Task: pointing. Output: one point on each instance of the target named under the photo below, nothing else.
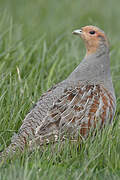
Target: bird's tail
(17, 144)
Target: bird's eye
(92, 32)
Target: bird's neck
(101, 50)
(94, 68)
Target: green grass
(38, 50)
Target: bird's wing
(77, 110)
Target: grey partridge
(79, 103)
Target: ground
(38, 50)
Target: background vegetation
(38, 50)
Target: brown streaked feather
(79, 109)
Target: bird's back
(65, 110)
(35, 118)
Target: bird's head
(94, 38)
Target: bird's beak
(77, 32)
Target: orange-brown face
(92, 37)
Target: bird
(83, 101)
